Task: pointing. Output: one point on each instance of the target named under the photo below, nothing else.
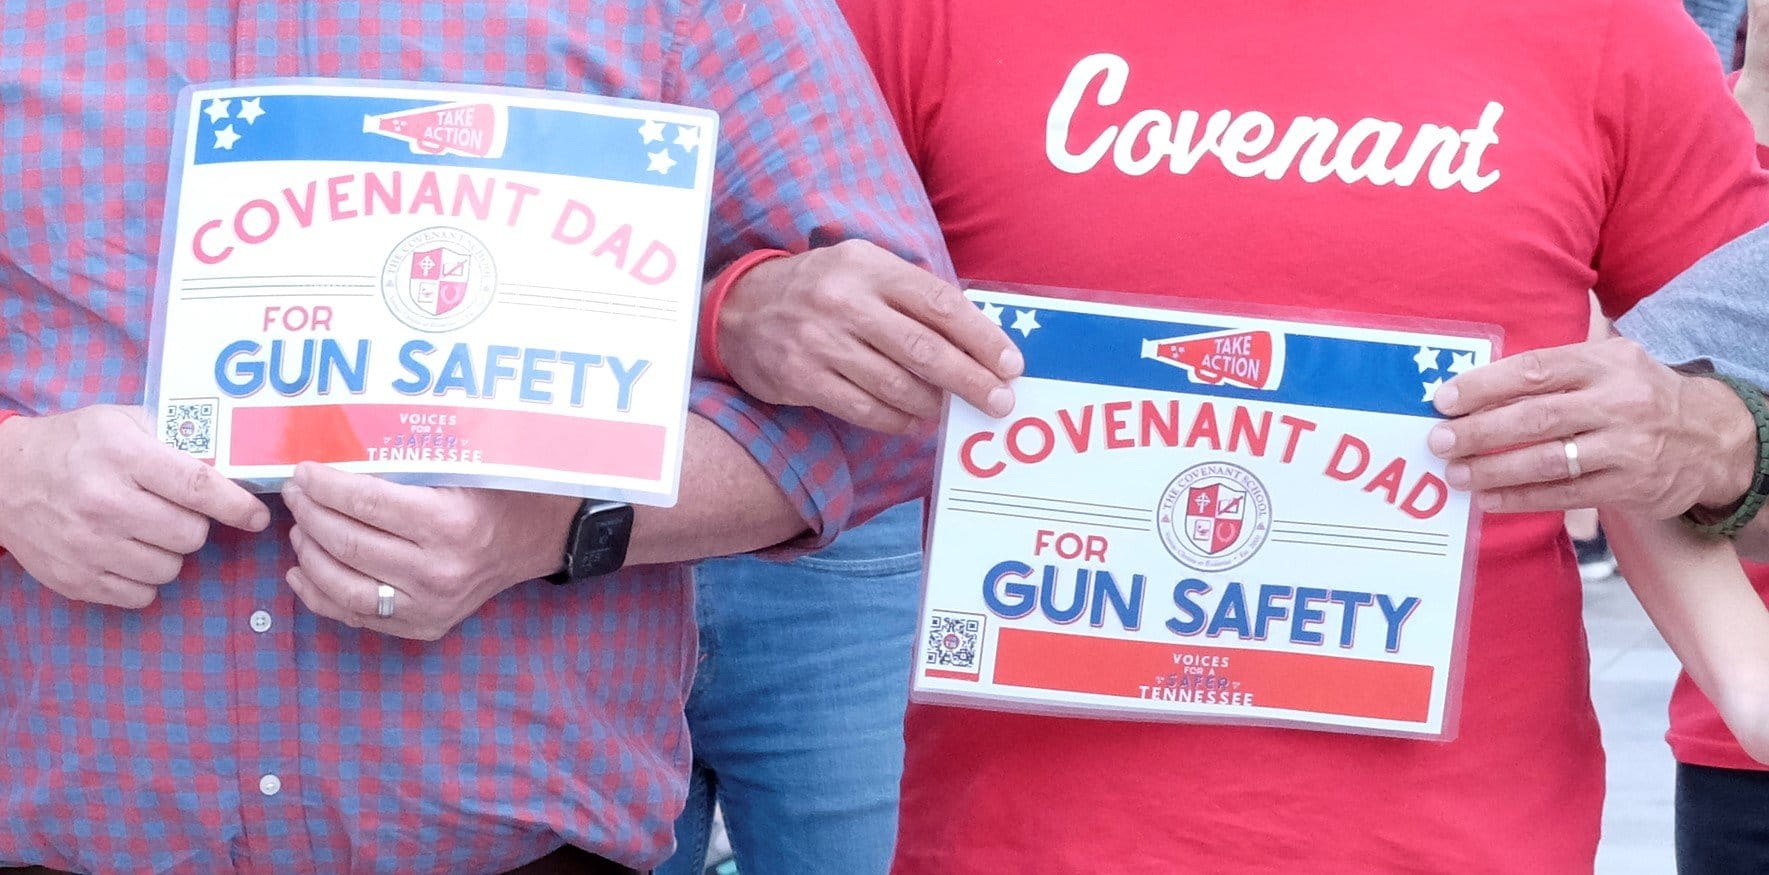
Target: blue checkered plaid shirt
(191, 737)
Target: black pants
(1722, 821)
(567, 860)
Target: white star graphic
(225, 138)
(250, 110)
(687, 137)
(1026, 322)
(1427, 359)
(1461, 361)
(1431, 389)
(652, 131)
(217, 110)
(992, 312)
(661, 161)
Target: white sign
(1200, 516)
(473, 286)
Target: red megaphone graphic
(474, 130)
(1254, 359)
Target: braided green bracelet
(1759, 492)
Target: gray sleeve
(1716, 312)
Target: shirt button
(260, 621)
(270, 785)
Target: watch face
(600, 540)
(609, 533)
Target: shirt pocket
(888, 544)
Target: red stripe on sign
(948, 674)
(1293, 681)
(365, 432)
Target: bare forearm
(1699, 598)
(727, 505)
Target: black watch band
(596, 543)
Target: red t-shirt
(1698, 735)
(1584, 144)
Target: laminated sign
(1204, 516)
(439, 284)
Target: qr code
(190, 426)
(954, 640)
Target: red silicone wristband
(715, 299)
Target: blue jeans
(797, 708)
(1719, 20)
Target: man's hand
(98, 510)
(859, 333)
(1648, 438)
(445, 551)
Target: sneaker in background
(719, 860)
(1596, 562)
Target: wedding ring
(384, 600)
(1573, 469)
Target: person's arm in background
(1701, 602)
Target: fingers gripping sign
(1597, 424)
(98, 510)
(859, 333)
(188, 483)
(440, 552)
(328, 587)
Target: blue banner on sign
(475, 132)
(1229, 361)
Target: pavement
(1631, 676)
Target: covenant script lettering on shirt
(1367, 150)
(489, 287)
(1206, 517)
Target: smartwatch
(596, 543)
